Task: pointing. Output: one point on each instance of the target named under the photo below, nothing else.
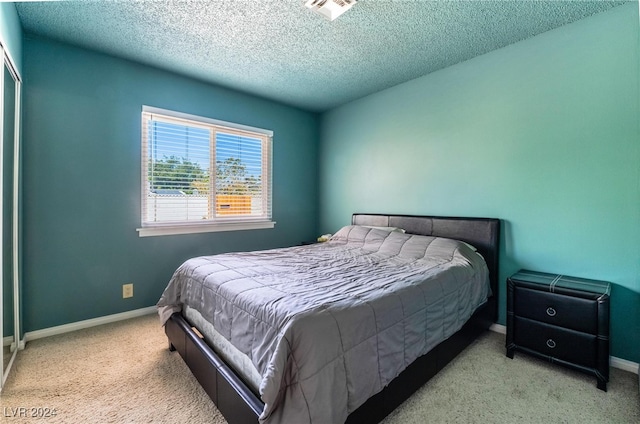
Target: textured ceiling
(281, 50)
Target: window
(201, 175)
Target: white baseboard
(623, 364)
(498, 328)
(66, 328)
(6, 341)
(619, 363)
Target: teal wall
(11, 32)
(8, 129)
(11, 39)
(82, 181)
(543, 134)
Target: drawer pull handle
(551, 312)
(551, 344)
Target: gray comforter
(329, 325)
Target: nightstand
(562, 319)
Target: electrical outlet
(127, 290)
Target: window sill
(168, 230)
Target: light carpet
(124, 373)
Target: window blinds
(198, 170)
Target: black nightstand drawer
(571, 346)
(564, 311)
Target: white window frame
(213, 224)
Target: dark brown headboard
(482, 233)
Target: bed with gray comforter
(329, 325)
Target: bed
(311, 322)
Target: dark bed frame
(240, 405)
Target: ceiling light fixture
(330, 9)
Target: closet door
(9, 165)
